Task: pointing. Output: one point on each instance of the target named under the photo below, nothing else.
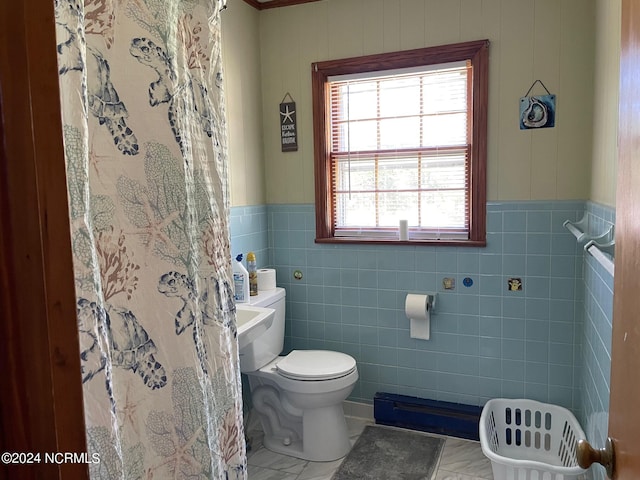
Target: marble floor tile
(355, 427)
(460, 460)
(255, 442)
(465, 457)
(319, 470)
(445, 475)
(264, 458)
(257, 473)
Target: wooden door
(41, 409)
(624, 411)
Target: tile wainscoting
(250, 233)
(486, 340)
(596, 341)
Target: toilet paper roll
(266, 279)
(416, 308)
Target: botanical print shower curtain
(145, 143)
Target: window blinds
(400, 150)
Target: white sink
(252, 322)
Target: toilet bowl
(299, 396)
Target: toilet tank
(270, 344)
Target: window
(402, 136)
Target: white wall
(242, 83)
(551, 40)
(571, 45)
(606, 97)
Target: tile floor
(460, 460)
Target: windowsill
(386, 241)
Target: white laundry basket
(529, 440)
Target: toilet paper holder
(418, 308)
(431, 300)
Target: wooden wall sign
(288, 125)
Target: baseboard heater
(445, 418)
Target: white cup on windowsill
(404, 230)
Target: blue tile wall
(486, 341)
(596, 343)
(249, 233)
(550, 341)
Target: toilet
(298, 397)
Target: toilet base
(327, 438)
(302, 419)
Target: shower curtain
(145, 145)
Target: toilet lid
(315, 365)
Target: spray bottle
(253, 273)
(240, 281)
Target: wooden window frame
(477, 52)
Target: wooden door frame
(40, 377)
(624, 416)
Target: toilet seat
(315, 365)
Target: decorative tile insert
(514, 284)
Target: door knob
(587, 455)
